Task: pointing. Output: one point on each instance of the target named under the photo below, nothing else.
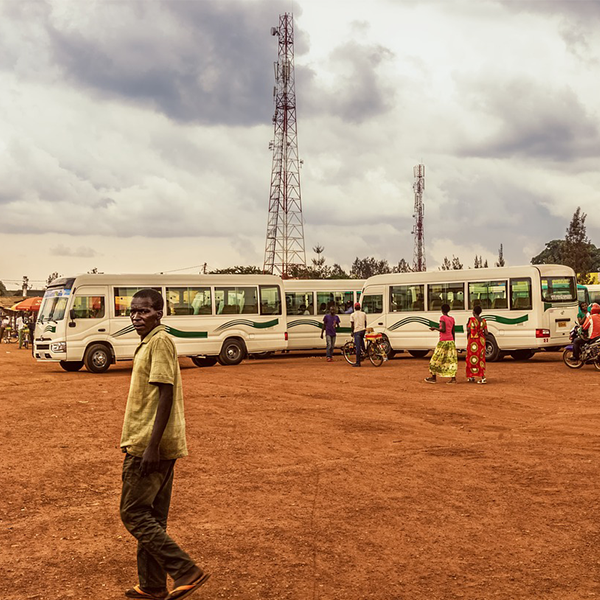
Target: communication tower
(418, 232)
(284, 247)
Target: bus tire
(97, 358)
(522, 354)
(418, 353)
(233, 352)
(388, 347)
(71, 365)
(204, 361)
(492, 352)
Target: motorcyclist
(591, 326)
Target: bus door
(87, 320)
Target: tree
(52, 277)
(552, 254)
(452, 265)
(478, 262)
(251, 270)
(402, 267)
(446, 264)
(577, 252)
(337, 272)
(456, 264)
(3, 290)
(501, 262)
(363, 268)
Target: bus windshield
(559, 289)
(54, 304)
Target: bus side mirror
(72, 317)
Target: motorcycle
(590, 353)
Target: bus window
(123, 296)
(340, 300)
(559, 289)
(270, 300)
(488, 294)
(404, 298)
(299, 303)
(583, 294)
(236, 300)
(372, 303)
(89, 307)
(188, 301)
(452, 294)
(520, 294)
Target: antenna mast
(284, 247)
(418, 231)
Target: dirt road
(309, 480)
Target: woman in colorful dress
(444, 361)
(476, 332)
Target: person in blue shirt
(331, 322)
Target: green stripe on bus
(506, 320)
(185, 334)
(422, 321)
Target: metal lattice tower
(284, 247)
(418, 231)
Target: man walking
(21, 326)
(153, 438)
(331, 322)
(358, 324)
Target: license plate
(561, 324)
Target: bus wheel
(390, 352)
(419, 353)
(492, 352)
(232, 352)
(71, 365)
(204, 361)
(97, 358)
(522, 354)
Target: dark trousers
(578, 344)
(359, 344)
(145, 505)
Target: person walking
(444, 361)
(476, 333)
(21, 327)
(331, 322)
(153, 438)
(358, 326)
(4, 323)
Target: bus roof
(489, 274)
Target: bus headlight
(58, 347)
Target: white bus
(526, 308)
(84, 320)
(308, 300)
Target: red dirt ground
(308, 480)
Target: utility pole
(284, 247)
(419, 214)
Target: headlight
(58, 347)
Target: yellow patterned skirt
(444, 361)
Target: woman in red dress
(476, 332)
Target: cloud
(80, 252)
(201, 62)
(520, 117)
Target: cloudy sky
(134, 133)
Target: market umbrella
(29, 304)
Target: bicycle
(376, 349)
(10, 335)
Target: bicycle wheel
(377, 353)
(349, 352)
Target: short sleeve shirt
(155, 361)
(359, 318)
(330, 322)
(447, 336)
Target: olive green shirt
(155, 361)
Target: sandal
(137, 592)
(430, 380)
(482, 380)
(471, 380)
